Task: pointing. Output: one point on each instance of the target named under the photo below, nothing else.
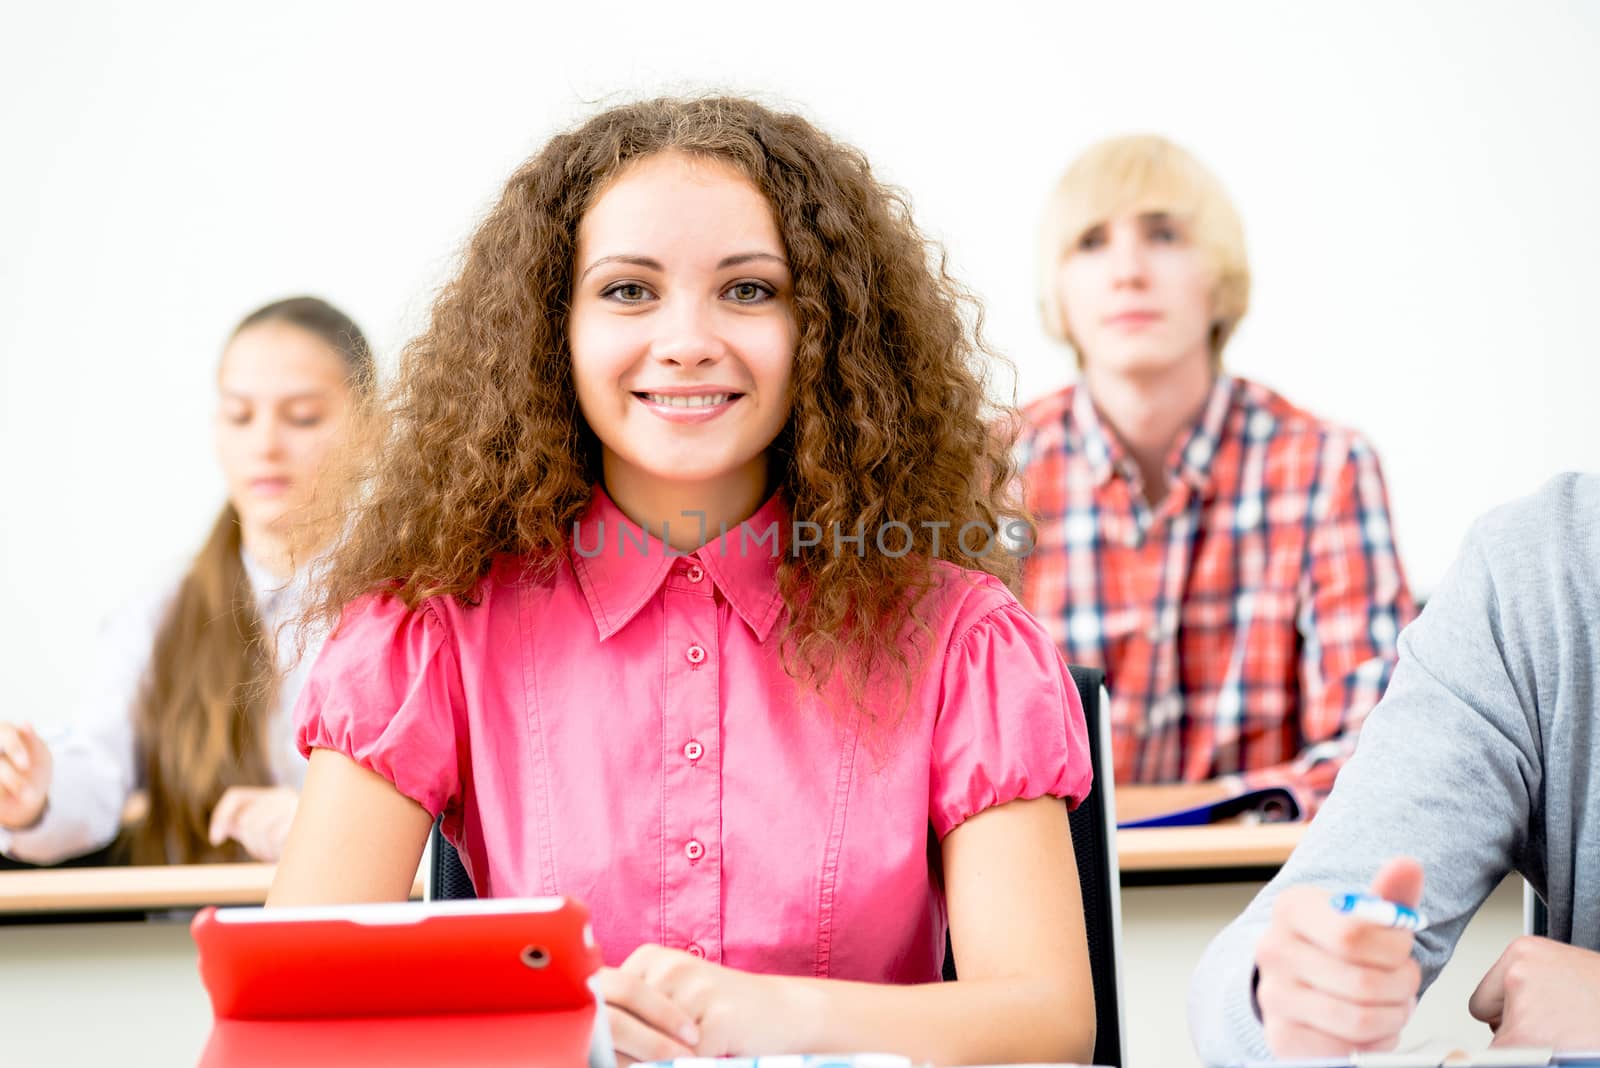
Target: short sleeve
(1010, 725)
(386, 692)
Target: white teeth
(704, 400)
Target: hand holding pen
(1334, 972)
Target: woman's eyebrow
(735, 260)
(287, 398)
(637, 261)
(749, 257)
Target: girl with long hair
(187, 704)
(671, 581)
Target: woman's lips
(677, 413)
(269, 487)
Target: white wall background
(1419, 184)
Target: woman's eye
(1092, 239)
(305, 420)
(627, 292)
(1165, 235)
(237, 418)
(749, 292)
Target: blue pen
(1379, 911)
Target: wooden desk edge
(1222, 846)
(1170, 849)
(138, 888)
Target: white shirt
(96, 764)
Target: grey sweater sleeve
(1445, 770)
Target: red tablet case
(489, 982)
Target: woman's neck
(270, 551)
(686, 515)
(1148, 413)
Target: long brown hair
(212, 673)
(480, 448)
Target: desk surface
(1159, 849)
(137, 888)
(1225, 845)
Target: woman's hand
(666, 1003)
(257, 817)
(25, 768)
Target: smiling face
(682, 332)
(1137, 296)
(283, 395)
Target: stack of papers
(1442, 1056)
(819, 1060)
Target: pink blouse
(625, 734)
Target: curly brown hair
(479, 448)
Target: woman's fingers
(264, 826)
(649, 1007)
(14, 747)
(12, 782)
(634, 1038)
(225, 817)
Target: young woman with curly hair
(654, 587)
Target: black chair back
(1099, 880)
(447, 876)
(1094, 840)
(1094, 843)
(1535, 914)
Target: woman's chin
(257, 519)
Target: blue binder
(1273, 804)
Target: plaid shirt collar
(1190, 459)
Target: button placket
(691, 724)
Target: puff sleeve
(1010, 725)
(386, 692)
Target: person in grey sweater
(1482, 758)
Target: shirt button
(694, 850)
(696, 654)
(694, 950)
(694, 751)
(694, 574)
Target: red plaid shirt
(1248, 626)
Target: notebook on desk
(1270, 804)
(420, 984)
(790, 1060)
(1437, 1056)
(823, 1060)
